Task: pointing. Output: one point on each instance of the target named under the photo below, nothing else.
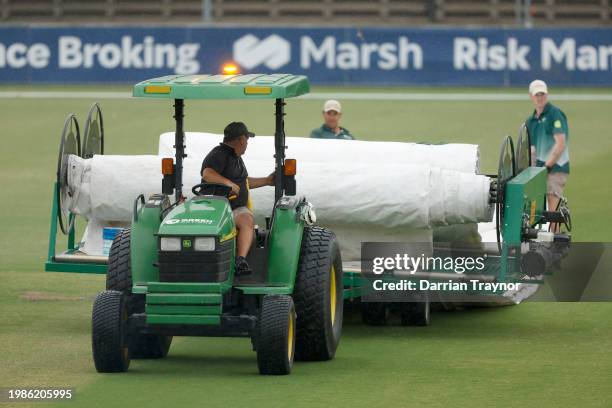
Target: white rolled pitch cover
(453, 156)
(391, 196)
(354, 199)
(415, 196)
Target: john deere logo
(188, 221)
(186, 243)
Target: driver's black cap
(234, 130)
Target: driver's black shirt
(224, 160)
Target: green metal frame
(525, 201)
(353, 283)
(51, 265)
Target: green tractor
(172, 272)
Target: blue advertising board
(367, 56)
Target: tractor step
(190, 325)
(183, 310)
(183, 304)
(171, 287)
(183, 299)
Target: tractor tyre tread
(108, 334)
(272, 341)
(313, 338)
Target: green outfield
(535, 354)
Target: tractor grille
(196, 266)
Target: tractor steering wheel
(215, 189)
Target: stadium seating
(320, 12)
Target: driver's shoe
(242, 266)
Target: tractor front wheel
(119, 278)
(276, 335)
(109, 334)
(318, 296)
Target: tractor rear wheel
(318, 296)
(109, 332)
(276, 335)
(119, 278)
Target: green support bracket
(51, 265)
(53, 226)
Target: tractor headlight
(204, 244)
(170, 244)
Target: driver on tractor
(224, 165)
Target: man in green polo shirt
(549, 134)
(331, 129)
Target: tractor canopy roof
(251, 86)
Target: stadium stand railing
(323, 12)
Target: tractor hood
(205, 215)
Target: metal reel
(523, 149)
(70, 144)
(93, 139)
(506, 170)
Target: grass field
(535, 354)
